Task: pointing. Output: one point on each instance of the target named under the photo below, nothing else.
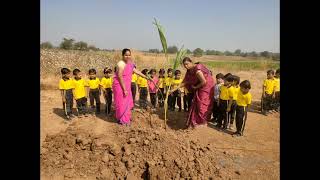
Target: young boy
(168, 81)
(80, 94)
(217, 87)
(152, 87)
(161, 85)
(66, 88)
(225, 101)
(243, 102)
(277, 91)
(94, 90)
(106, 84)
(143, 90)
(267, 92)
(134, 86)
(176, 94)
(236, 89)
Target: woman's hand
(125, 93)
(194, 87)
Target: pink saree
(123, 104)
(201, 107)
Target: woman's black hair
(245, 84)
(236, 79)
(75, 71)
(186, 59)
(125, 50)
(92, 71)
(177, 72)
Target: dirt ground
(98, 148)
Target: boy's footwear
(230, 127)
(236, 134)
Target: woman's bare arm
(202, 79)
(180, 86)
(120, 68)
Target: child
(106, 84)
(236, 89)
(187, 99)
(168, 80)
(153, 88)
(161, 84)
(94, 90)
(80, 93)
(143, 90)
(66, 88)
(134, 86)
(267, 92)
(176, 94)
(225, 100)
(215, 110)
(277, 91)
(243, 102)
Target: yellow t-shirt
(168, 81)
(269, 85)
(244, 99)
(106, 82)
(134, 77)
(142, 82)
(79, 88)
(161, 82)
(175, 83)
(66, 85)
(226, 93)
(94, 83)
(277, 84)
(235, 92)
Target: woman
(122, 87)
(198, 79)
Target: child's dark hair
(107, 70)
(65, 71)
(245, 84)
(236, 79)
(125, 50)
(92, 71)
(177, 72)
(152, 70)
(278, 71)
(169, 70)
(219, 76)
(162, 71)
(270, 72)
(227, 75)
(229, 78)
(145, 71)
(76, 71)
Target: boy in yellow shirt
(161, 85)
(143, 90)
(267, 92)
(276, 96)
(80, 94)
(236, 89)
(106, 84)
(94, 90)
(66, 88)
(176, 94)
(134, 86)
(243, 103)
(168, 81)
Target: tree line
(70, 44)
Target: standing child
(267, 92)
(106, 83)
(217, 87)
(66, 88)
(143, 90)
(94, 90)
(134, 87)
(187, 99)
(243, 102)
(277, 91)
(236, 89)
(168, 81)
(152, 87)
(176, 94)
(80, 93)
(161, 85)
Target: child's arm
(229, 105)
(63, 95)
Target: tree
(93, 48)
(210, 52)
(228, 53)
(198, 52)
(188, 51)
(67, 43)
(154, 51)
(253, 54)
(218, 53)
(276, 56)
(172, 49)
(265, 54)
(46, 45)
(80, 46)
(237, 52)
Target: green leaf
(162, 36)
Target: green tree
(228, 53)
(265, 54)
(188, 51)
(46, 45)
(210, 52)
(237, 52)
(276, 56)
(198, 52)
(253, 54)
(93, 48)
(218, 53)
(80, 46)
(67, 43)
(172, 49)
(154, 51)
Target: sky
(249, 25)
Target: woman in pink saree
(198, 80)
(122, 87)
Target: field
(96, 147)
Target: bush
(172, 49)
(80, 46)
(154, 51)
(67, 44)
(46, 45)
(198, 52)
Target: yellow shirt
(226, 93)
(94, 83)
(175, 83)
(142, 82)
(244, 99)
(161, 82)
(168, 81)
(235, 92)
(134, 77)
(106, 82)
(79, 88)
(277, 84)
(66, 85)
(269, 85)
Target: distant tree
(67, 43)
(188, 51)
(210, 52)
(228, 53)
(218, 53)
(237, 52)
(93, 48)
(172, 49)
(46, 45)
(265, 54)
(244, 54)
(154, 51)
(198, 52)
(276, 56)
(80, 46)
(253, 54)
